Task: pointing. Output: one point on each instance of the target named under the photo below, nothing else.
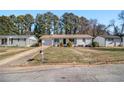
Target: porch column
(0, 41)
(52, 42)
(8, 42)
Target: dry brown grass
(57, 55)
(10, 51)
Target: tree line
(49, 23)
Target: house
(123, 41)
(108, 40)
(17, 40)
(77, 40)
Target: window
(110, 39)
(24, 39)
(4, 41)
(56, 40)
(83, 39)
(18, 39)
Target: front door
(64, 41)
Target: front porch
(9, 41)
(64, 41)
(6, 41)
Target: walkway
(21, 57)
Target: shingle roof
(64, 36)
(15, 36)
(110, 36)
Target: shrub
(80, 45)
(35, 45)
(69, 44)
(120, 45)
(95, 44)
(61, 44)
(88, 45)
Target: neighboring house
(17, 40)
(77, 40)
(123, 41)
(108, 40)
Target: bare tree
(121, 17)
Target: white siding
(47, 42)
(0, 41)
(15, 42)
(31, 40)
(110, 42)
(75, 42)
(20, 41)
(118, 42)
(107, 42)
(88, 41)
(114, 42)
(83, 42)
(80, 42)
(123, 41)
(100, 40)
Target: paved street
(10, 72)
(107, 73)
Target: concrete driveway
(103, 73)
(21, 58)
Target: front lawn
(10, 51)
(55, 55)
